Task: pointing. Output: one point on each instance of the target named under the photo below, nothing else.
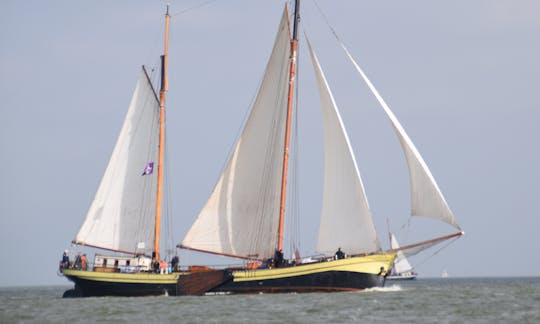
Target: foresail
(426, 197)
(122, 213)
(241, 216)
(346, 220)
(401, 264)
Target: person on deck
(278, 258)
(163, 267)
(339, 254)
(174, 263)
(65, 260)
(83, 262)
(78, 261)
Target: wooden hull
(351, 274)
(89, 283)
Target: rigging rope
(436, 252)
(241, 127)
(326, 20)
(204, 4)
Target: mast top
(296, 19)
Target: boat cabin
(115, 263)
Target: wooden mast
(292, 73)
(163, 90)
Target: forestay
(346, 220)
(122, 213)
(241, 216)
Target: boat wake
(392, 288)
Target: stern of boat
(96, 283)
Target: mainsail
(241, 216)
(121, 216)
(346, 220)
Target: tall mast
(163, 90)
(292, 73)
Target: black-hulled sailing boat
(244, 215)
(125, 215)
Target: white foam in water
(392, 288)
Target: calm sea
(450, 300)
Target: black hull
(91, 288)
(330, 281)
(350, 274)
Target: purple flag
(149, 168)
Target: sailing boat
(402, 269)
(444, 274)
(125, 215)
(244, 216)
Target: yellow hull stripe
(141, 278)
(363, 264)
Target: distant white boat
(444, 274)
(402, 269)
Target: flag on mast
(149, 168)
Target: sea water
(450, 300)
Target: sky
(461, 76)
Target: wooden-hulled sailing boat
(244, 215)
(125, 215)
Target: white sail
(122, 213)
(426, 197)
(401, 264)
(346, 220)
(241, 216)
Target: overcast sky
(462, 76)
